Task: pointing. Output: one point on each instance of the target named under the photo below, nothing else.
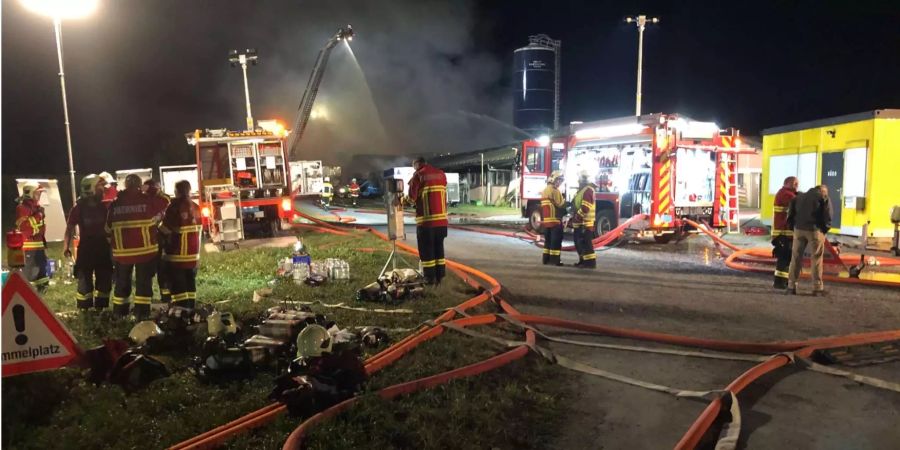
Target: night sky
(142, 73)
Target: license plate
(693, 210)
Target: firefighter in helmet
(132, 224)
(30, 222)
(181, 228)
(354, 192)
(151, 188)
(583, 222)
(552, 211)
(428, 192)
(93, 265)
(327, 192)
(782, 233)
(111, 190)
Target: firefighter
(112, 189)
(552, 211)
(30, 222)
(152, 189)
(782, 234)
(181, 228)
(132, 225)
(428, 191)
(93, 265)
(583, 222)
(327, 192)
(354, 192)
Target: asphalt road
(685, 289)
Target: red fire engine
(666, 166)
(250, 164)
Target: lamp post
(236, 58)
(59, 10)
(641, 22)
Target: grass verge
(518, 406)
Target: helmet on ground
(554, 176)
(88, 184)
(328, 179)
(143, 331)
(313, 341)
(31, 189)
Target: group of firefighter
(327, 192)
(138, 231)
(554, 209)
(801, 221)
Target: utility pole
(236, 58)
(641, 22)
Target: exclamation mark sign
(18, 312)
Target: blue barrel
(534, 87)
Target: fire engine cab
(665, 166)
(249, 165)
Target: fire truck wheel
(605, 222)
(663, 238)
(534, 220)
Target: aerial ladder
(312, 88)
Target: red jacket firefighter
(354, 188)
(182, 225)
(783, 199)
(428, 189)
(30, 222)
(132, 225)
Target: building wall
(880, 138)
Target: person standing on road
(132, 224)
(428, 191)
(327, 192)
(93, 264)
(30, 222)
(181, 229)
(583, 223)
(354, 192)
(552, 211)
(810, 216)
(782, 234)
(152, 189)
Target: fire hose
(492, 288)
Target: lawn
(518, 406)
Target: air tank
(536, 86)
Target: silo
(536, 85)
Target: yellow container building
(857, 156)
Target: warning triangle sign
(33, 338)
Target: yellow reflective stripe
(119, 300)
(135, 251)
(431, 218)
(779, 208)
(442, 262)
(79, 296)
(182, 258)
(429, 263)
(133, 223)
(33, 245)
(782, 233)
(555, 252)
(589, 256)
(141, 300)
(165, 291)
(189, 228)
(190, 295)
(781, 274)
(428, 189)
(550, 220)
(546, 251)
(184, 244)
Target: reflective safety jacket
(182, 225)
(780, 225)
(132, 224)
(327, 190)
(428, 189)
(551, 206)
(30, 222)
(90, 216)
(584, 207)
(354, 190)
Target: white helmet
(313, 341)
(328, 179)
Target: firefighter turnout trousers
(431, 252)
(93, 267)
(781, 251)
(584, 245)
(184, 286)
(163, 277)
(35, 269)
(553, 236)
(143, 292)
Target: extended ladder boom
(312, 88)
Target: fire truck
(249, 167)
(666, 166)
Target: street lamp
(236, 58)
(641, 21)
(59, 10)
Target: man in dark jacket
(810, 216)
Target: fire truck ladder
(312, 88)
(732, 209)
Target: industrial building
(855, 155)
